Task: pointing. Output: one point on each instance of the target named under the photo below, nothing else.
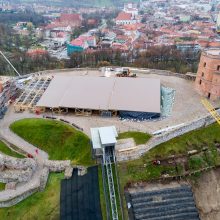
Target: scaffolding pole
(10, 63)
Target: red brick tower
(208, 75)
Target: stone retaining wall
(43, 178)
(158, 139)
(57, 165)
(16, 163)
(195, 124)
(23, 174)
(17, 199)
(18, 176)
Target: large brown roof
(102, 93)
(123, 16)
(70, 17)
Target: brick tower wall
(208, 76)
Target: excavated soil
(207, 195)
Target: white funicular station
(103, 142)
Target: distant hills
(88, 3)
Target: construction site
(31, 94)
(104, 103)
(157, 99)
(8, 93)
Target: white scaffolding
(32, 94)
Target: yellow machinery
(211, 109)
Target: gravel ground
(187, 106)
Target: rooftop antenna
(10, 63)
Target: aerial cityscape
(110, 110)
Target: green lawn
(41, 205)
(59, 140)
(2, 186)
(6, 150)
(139, 137)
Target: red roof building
(36, 52)
(66, 20)
(125, 18)
(73, 20)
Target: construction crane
(211, 109)
(10, 63)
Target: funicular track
(108, 159)
(111, 179)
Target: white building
(124, 18)
(131, 8)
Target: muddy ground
(207, 195)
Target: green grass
(116, 192)
(194, 140)
(2, 186)
(6, 150)
(59, 140)
(139, 137)
(212, 157)
(41, 205)
(143, 170)
(196, 162)
(102, 195)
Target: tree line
(28, 16)
(164, 57)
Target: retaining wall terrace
(34, 178)
(158, 139)
(43, 178)
(16, 163)
(57, 165)
(25, 191)
(16, 199)
(18, 176)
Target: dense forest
(28, 16)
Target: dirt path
(11, 137)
